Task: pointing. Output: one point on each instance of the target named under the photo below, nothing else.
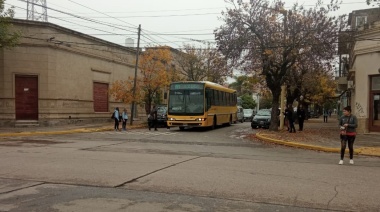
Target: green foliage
(247, 102)
(265, 102)
(7, 37)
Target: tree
(7, 37)
(244, 84)
(247, 102)
(203, 64)
(266, 39)
(373, 2)
(155, 74)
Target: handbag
(343, 132)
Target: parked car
(162, 111)
(248, 114)
(240, 114)
(314, 114)
(261, 119)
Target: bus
(200, 104)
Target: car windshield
(263, 113)
(248, 111)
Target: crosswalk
(139, 132)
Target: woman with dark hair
(348, 124)
(116, 115)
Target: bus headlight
(200, 119)
(171, 119)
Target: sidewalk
(321, 136)
(58, 130)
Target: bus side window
(209, 97)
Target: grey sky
(184, 20)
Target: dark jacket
(301, 114)
(289, 114)
(352, 122)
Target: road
(173, 170)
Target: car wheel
(181, 128)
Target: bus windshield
(186, 102)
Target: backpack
(113, 115)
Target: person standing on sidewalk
(348, 124)
(116, 115)
(291, 119)
(153, 117)
(301, 117)
(325, 115)
(124, 117)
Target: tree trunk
(274, 113)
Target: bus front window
(189, 102)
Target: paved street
(172, 170)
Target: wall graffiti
(360, 110)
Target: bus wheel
(230, 123)
(214, 123)
(181, 128)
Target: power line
(80, 17)
(68, 21)
(155, 16)
(102, 13)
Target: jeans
(350, 140)
(116, 124)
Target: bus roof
(209, 84)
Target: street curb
(63, 132)
(360, 151)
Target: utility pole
(133, 109)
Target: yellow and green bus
(200, 104)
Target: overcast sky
(163, 22)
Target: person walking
(153, 118)
(348, 124)
(116, 115)
(286, 120)
(325, 115)
(301, 117)
(124, 117)
(290, 116)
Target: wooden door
(26, 97)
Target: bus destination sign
(186, 86)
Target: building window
(361, 20)
(375, 83)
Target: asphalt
(316, 136)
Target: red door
(26, 97)
(100, 97)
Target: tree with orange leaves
(155, 74)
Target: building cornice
(22, 22)
(68, 49)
